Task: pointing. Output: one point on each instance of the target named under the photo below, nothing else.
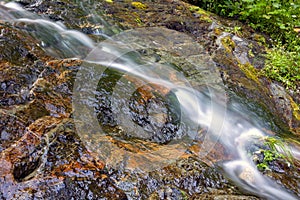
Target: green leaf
(282, 26)
(267, 16)
(276, 5)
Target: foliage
(269, 156)
(277, 145)
(279, 19)
(275, 17)
(276, 150)
(283, 66)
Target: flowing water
(152, 106)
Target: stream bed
(98, 103)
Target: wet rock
(249, 45)
(218, 195)
(285, 106)
(42, 155)
(54, 164)
(152, 114)
(237, 53)
(288, 178)
(241, 74)
(15, 49)
(19, 66)
(188, 178)
(75, 15)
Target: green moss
(198, 10)
(236, 30)
(262, 166)
(250, 71)
(259, 39)
(202, 12)
(138, 21)
(179, 7)
(228, 43)
(194, 8)
(205, 18)
(296, 109)
(139, 5)
(203, 15)
(269, 156)
(217, 31)
(251, 54)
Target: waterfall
(198, 105)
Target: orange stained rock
(61, 64)
(79, 166)
(147, 89)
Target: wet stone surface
(187, 178)
(41, 154)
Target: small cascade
(193, 106)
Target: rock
(188, 178)
(42, 155)
(286, 106)
(238, 54)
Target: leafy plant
(276, 150)
(275, 17)
(269, 156)
(278, 145)
(279, 19)
(283, 66)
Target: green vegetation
(280, 20)
(139, 5)
(273, 153)
(269, 156)
(203, 15)
(296, 109)
(228, 43)
(138, 21)
(277, 145)
(283, 66)
(250, 71)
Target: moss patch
(259, 39)
(205, 18)
(228, 44)
(218, 31)
(250, 71)
(138, 21)
(139, 5)
(203, 15)
(198, 10)
(296, 109)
